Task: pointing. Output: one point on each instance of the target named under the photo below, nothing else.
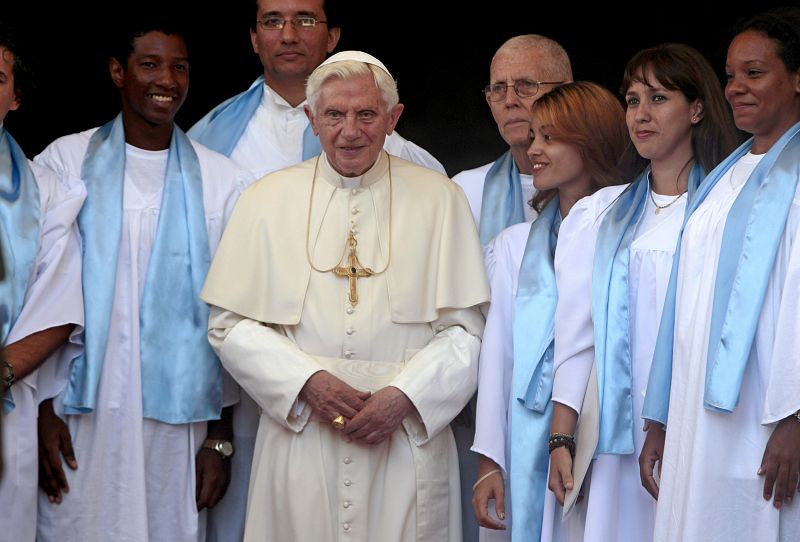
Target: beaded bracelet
(558, 440)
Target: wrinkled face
(659, 120)
(155, 81)
(513, 115)
(292, 53)
(8, 97)
(352, 122)
(763, 93)
(556, 164)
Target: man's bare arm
(27, 354)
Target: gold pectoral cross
(354, 269)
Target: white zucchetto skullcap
(359, 56)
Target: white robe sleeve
(574, 330)
(231, 391)
(781, 397)
(54, 296)
(441, 378)
(497, 358)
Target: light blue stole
(19, 234)
(753, 232)
(222, 127)
(181, 376)
(502, 204)
(532, 377)
(610, 312)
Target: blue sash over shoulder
(502, 204)
(19, 234)
(181, 376)
(753, 232)
(610, 313)
(224, 125)
(532, 377)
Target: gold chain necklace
(354, 269)
(659, 208)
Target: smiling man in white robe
(345, 297)
(144, 431)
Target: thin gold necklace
(659, 208)
(354, 269)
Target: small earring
(694, 120)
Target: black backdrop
(439, 52)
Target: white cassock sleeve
(265, 363)
(54, 296)
(574, 330)
(441, 378)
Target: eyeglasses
(522, 87)
(304, 22)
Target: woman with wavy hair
(579, 140)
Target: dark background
(439, 52)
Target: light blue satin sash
(532, 377)
(750, 241)
(181, 376)
(19, 234)
(222, 127)
(610, 313)
(502, 204)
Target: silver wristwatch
(223, 447)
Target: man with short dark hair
(264, 128)
(144, 403)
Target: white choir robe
(136, 476)
(615, 505)
(356, 492)
(709, 487)
(492, 425)
(471, 182)
(273, 140)
(53, 298)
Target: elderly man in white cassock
(345, 298)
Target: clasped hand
(369, 418)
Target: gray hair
(555, 61)
(351, 68)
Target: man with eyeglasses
(265, 129)
(523, 69)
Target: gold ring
(338, 422)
